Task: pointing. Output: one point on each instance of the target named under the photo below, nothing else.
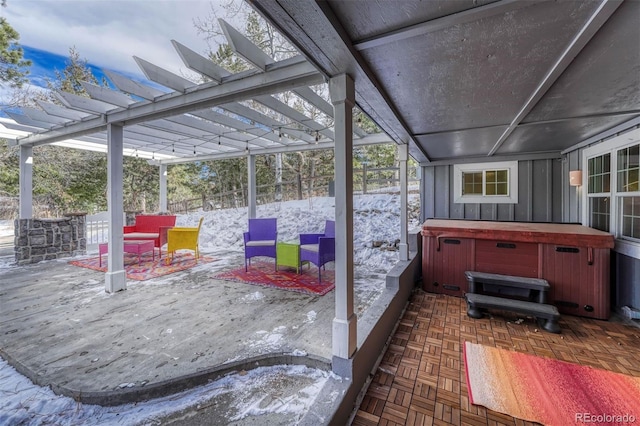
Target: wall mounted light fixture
(575, 178)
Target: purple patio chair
(261, 239)
(319, 249)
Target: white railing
(97, 230)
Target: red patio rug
(148, 267)
(264, 274)
(549, 391)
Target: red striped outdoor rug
(264, 274)
(148, 267)
(549, 391)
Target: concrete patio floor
(60, 328)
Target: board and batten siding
(540, 195)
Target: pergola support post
(344, 344)
(163, 207)
(115, 277)
(251, 186)
(403, 156)
(26, 182)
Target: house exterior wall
(626, 275)
(625, 269)
(544, 195)
(540, 189)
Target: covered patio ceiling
(180, 120)
(470, 79)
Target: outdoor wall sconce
(575, 178)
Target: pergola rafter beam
(258, 117)
(82, 103)
(244, 48)
(318, 101)
(277, 79)
(176, 82)
(131, 87)
(173, 125)
(123, 100)
(247, 50)
(59, 111)
(225, 120)
(163, 77)
(375, 139)
(314, 99)
(106, 95)
(25, 120)
(199, 63)
(298, 117)
(40, 115)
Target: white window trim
(510, 166)
(625, 246)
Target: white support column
(341, 89)
(403, 156)
(115, 278)
(26, 182)
(163, 188)
(251, 185)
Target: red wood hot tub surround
(574, 259)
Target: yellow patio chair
(183, 238)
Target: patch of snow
(23, 403)
(268, 341)
(126, 385)
(276, 399)
(311, 316)
(253, 297)
(6, 228)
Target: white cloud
(109, 32)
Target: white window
(613, 190)
(486, 182)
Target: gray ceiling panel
(464, 143)
(476, 74)
(369, 18)
(539, 76)
(605, 77)
(556, 136)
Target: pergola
(207, 121)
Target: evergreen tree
(13, 66)
(69, 79)
(13, 73)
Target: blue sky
(45, 64)
(107, 33)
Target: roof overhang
(473, 78)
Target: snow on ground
(376, 219)
(6, 228)
(252, 393)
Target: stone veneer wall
(45, 239)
